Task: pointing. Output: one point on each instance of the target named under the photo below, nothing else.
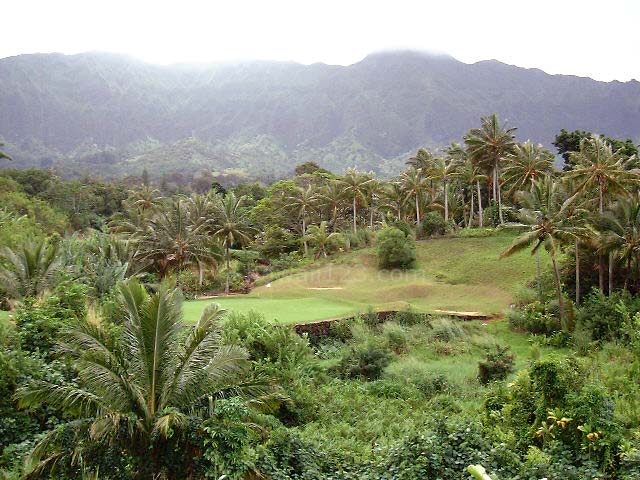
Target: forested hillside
(92, 110)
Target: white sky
(592, 38)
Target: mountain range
(110, 115)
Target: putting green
(461, 274)
(281, 310)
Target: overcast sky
(598, 39)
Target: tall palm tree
(550, 226)
(27, 269)
(231, 225)
(598, 168)
(444, 170)
(139, 391)
(301, 204)
(145, 198)
(488, 147)
(471, 175)
(355, 188)
(414, 184)
(527, 163)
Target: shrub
(408, 317)
(395, 337)
(433, 224)
(446, 330)
(536, 318)
(366, 361)
(362, 238)
(496, 365)
(264, 341)
(604, 316)
(40, 324)
(395, 249)
(402, 225)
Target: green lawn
(462, 274)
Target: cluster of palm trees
(168, 235)
(455, 182)
(594, 208)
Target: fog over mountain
(109, 114)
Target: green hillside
(462, 274)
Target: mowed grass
(462, 274)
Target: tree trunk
(417, 213)
(355, 226)
(628, 273)
(600, 256)
(304, 236)
(611, 266)
(446, 201)
(480, 214)
(558, 288)
(371, 215)
(577, 272)
(499, 197)
(471, 210)
(226, 286)
(493, 185)
(538, 274)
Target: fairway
(463, 274)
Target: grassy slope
(452, 273)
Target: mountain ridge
(55, 108)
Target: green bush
(366, 361)
(446, 330)
(395, 249)
(406, 227)
(39, 324)
(603, 316)
(362, 238)
(265, 341)
(536, 318)
(433, 224)
(395, 337)
(496, 365)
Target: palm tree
(374, 190)
(471, 175)
(301, 204)
(444, 169)
(330, 196)
(395, 198)
(414, 184)
(231, 225)
(422, 160)
(145, 198)
(488, 147)
(323, 241)
(27, 270)
(620, 235)
(170, 240)
(138, 392)
(549, 224)
(598, 168)
(355, 188)
(527, 163)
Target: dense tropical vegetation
(101, 377)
